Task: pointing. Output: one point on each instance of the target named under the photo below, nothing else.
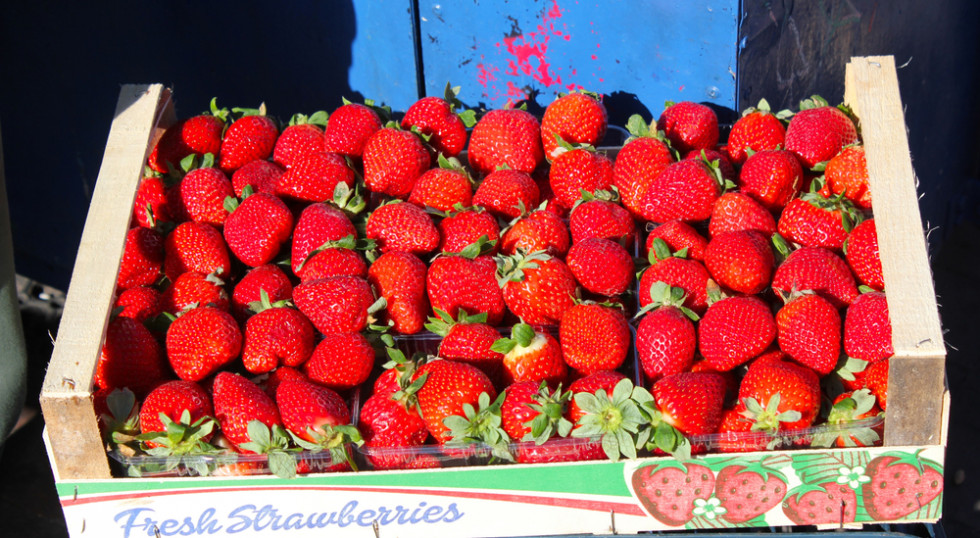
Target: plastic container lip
(147, 466)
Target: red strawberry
(735, 211)
(900, 484)
(809, 331)
(689, 126)
(334, 258)
(818, 132)
(250, 138)
(195, 246)
(604, 219)
(140, 303)
(256, 229)
(507, 193)
(577, 117)
(736, 432)
(539, 230)
(576, 171)
(403, 227)
(691, 402)
(828, 503)
(202, 195)
(152, 205)
(780, 395)
(734, 330)
(876, 379)
(274, 337)
(505, 136)
(594, 337)
(387, 422)
(741, 261)
(349, 128)
(341, 361)
(559, 449)
(678, 235)
(277, 376)
(399, 278)
(268, 278)
(314, 177)
(665, 337)
(748, 492)
(758, 129)
(850, 407)
(317, 224)
(263, 176)
(815, 221)
(685, 190)
(638, 164)
(601, 266)
(538, 288)
(237, 402)
(668, 491)
(847, 174)
(193, 289)
(201, 341)
(817, 269)
(198, 135)
(531, 411)
(443, 188)
(336, 305)
(465, 227)
(303, 136)
(393, 161)
(867, 328)
(469, 340)
(771, 177)
(130, 358)
(531, 355)
(689, 275)
(172, 399)
(142, 259)
(469, 283)
(447, 387)
(436, 118)
(861, 252)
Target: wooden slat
(66, 396)
(916, 374)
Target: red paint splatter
(568, 38)
(597, 45)
(681, 88)
(601, 79)
(594, 57)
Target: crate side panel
(383, 53)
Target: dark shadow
(622, 105)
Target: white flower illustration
(853, 477)
(710, 508)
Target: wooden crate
(591, 497)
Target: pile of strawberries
(274, 275)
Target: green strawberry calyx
(451, 95)
(443, 321)
(335, 439)
(614, 418)
(656, 433)
(521, 337)
(275, 444)
(664, 295)
(181, 437)
(768, 418)
(512, 268)
(550, 420)
(318, 118)
(481, 424)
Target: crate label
(710, 492)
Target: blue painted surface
(654, 50)
(383, 53)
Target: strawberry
(257, 227)
(612, 417)
(595, 217)
(531, 355)
(818, 132)
(578, 171)
(140, 303)
(735, 211)
(559, 450)
(817, 269)
(577, 117)
(538, 230)
(195, 246)
(748, 492)
(771, 177)
(464, 227)
(734, 330)
(202, 195)
(861, 253)
(237, 403)
(201, 341)
(689, 126)
(876, 379)
(668, 491)
(142, 259)
(507, 193)
(691, 402)
(399, 278)
(757, 130)
(276, 336)
(151, 206)
(470, 340)
(402, 226)
(847, 174)
(251, 137)
(334, 258)
(867, 328)
(388, 422)
(828, 503)
(436, 117)
(605, 380)
(349, 128)
(741, 261)
(443, 188)
(301, 137)
(689, 275)
(538, 288)
(809, 331)
(336, 305)
(197, 135)
(736, 432)
(815, 221)
(172, 399)
(448, 386)
(467, 281)
(509, 137)
(780, 395)
(594, 337)
(715, 159)
(268, 278)
(665, 336)
(130, 358)
(278, 376)
(900, 484)
(642, 158)
(678, 235)
(685, 190)
(601, 266)
(393, 161)
(317, 224)
(850, 407)
(263, 176)
(532, 411)
(341, 361)
(193, 289)
(314, 177)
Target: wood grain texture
(916, 373)
(66, 395)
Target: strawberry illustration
(747, 492)
(605, 219)
(201, 341)
(142, 260)
(901, 483)
(678, 236)
(531, 355)
(402, 226)
(821, 504)
(734, 330)
(350, 126)
(393, 161)
(509, 137)
(197, 135)
(771, 177)
(444, 187)
(195, 246)
(578, 117)
(436, 117)
(336, 305)
(274, 336)
(579, 170)
(399, 278)
(537, 287)
(818, 132)
(639, 162)
(538, 230)
(741, 261)
(249, 138)
(735, 211)
(668, 491)
(867, 328)
(593, 337)
(847, 174)
(507, 193)
(757, 130)
(689, 126)
(314, 177)
(237, 404)
(263, 176)
(861, 252)
(302, 136)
